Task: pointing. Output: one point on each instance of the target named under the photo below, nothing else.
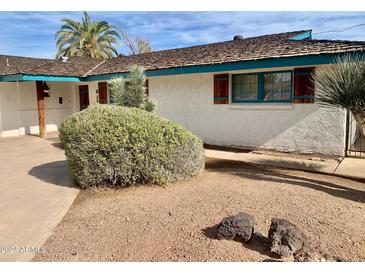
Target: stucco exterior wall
(18, 107)
(305, 128)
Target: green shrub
(118, 146)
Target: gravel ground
(176, 222)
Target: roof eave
(304, 60)
(29, 77)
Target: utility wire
(339, 30)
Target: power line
(340, 30)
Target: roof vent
(64, 59)
(238, 37)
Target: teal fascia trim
(21, 77)
(106, 77)
(253, 64)
(11, 78)
(302, 36)
(50, 78)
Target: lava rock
(240, 225)
(312, 256)
(285, 238)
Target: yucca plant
(343, 85)
(131, 91)
(87, 38)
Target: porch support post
(41, 109)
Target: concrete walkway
(348, 167)
(352, 167)
(36, 191)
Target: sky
(32, 33)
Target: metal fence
(355, 142)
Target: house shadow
(258, 242)
(57, 173)
(280, 176)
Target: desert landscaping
(178, 222)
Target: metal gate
(355, 142)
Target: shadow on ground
(277, 175)
(57, 173)
(258, 243)
(55, 142)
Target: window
(277, 86)
(245, 88)
(262, 87)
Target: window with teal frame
(277, 86)
(246, 87)
(262, 87)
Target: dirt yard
(176, 222)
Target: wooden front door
(103, 92)
(84, 96)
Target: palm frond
(87, 38)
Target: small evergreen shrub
(118, 146)
(131, 91)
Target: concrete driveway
(36, 190)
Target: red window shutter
(303, 85)
(221, 89)
(103, 92)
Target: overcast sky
(32, 33)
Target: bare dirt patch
(177, 222)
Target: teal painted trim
(261, 88)
(302, 36)
(221, 79)
(297, 61)
(220, 98)
(291, 87)
(304, 97)
(11, 78)
(233, 89)
(107, 77)
(303, 73)
(50, 78)
(253, 64)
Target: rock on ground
(240, 225)
(310, 255)
(285, 238)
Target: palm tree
(87, 38)
(138, 45)
(343, 85)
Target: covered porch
(38, 106)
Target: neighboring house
(252, 93)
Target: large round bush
(117, 146)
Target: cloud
(32, 33)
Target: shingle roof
(253, 48)
(74, 66)
(261, 47)
(15, 64)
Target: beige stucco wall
(306, 128)
(188, 100)
(18, 107)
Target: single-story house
(247, 92)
